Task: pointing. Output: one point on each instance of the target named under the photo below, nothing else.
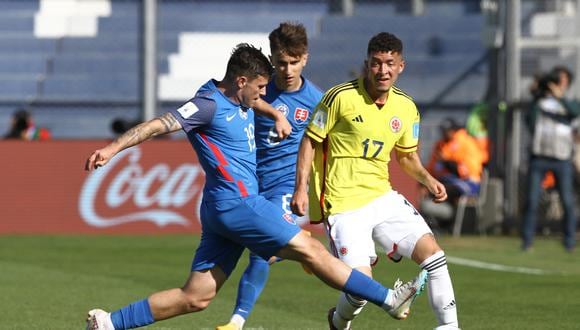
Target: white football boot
(98, 319)
(404, 295)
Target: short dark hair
(289, 38)
(385, 42)
(559, 69)
(247, 60)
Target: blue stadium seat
(17, 87)
(26, 44)
(18, 7)
(125, 24)
(404, 25)
(101, 43)
(101, 64)
(20, 23)
(23, 64)
(426, 88)
(86, 88)
(234, 22)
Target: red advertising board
(153, 188)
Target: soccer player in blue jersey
(294, 96)
(219, 123)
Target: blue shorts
(229, 226)
(280, 197)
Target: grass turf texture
(50, 282)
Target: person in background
(550, 123)
(22, 128)
(457, 160)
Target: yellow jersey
(356, 138)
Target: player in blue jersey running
(294, 96)
(219, 124)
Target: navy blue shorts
(229, 226)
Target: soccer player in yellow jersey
(343, 168)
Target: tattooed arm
(144, 131)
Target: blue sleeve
(197, 112)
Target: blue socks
(135, 315)
(360, 285)
(251, 285)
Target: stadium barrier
(153, 188)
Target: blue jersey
(277, 159)
(222, 134)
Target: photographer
(550, 122)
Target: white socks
(440, 289)
(347, 308)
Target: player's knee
(425, 247)
(314, 251)
(196, 303)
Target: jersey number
(377, 144)
(251, 139)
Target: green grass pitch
(50, 282)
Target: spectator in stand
(457, 160)
(23, 128)
(550, 122)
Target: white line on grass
(496, 267)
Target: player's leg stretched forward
(198, 291)
(338, 275)
(202, 286)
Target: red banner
(155, 187)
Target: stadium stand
(97, 76)
(440, 44)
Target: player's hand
(98, 158)
(282, 127)
(299, 203)
(438, 190)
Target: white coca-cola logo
(132, 183)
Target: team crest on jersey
(289, 218)
(343, 251)
(243, 114)
(395, 124)
(300, 115)
(283, 108)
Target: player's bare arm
(299, 203)
(411, 164)
(142, 132)
(281, 124)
